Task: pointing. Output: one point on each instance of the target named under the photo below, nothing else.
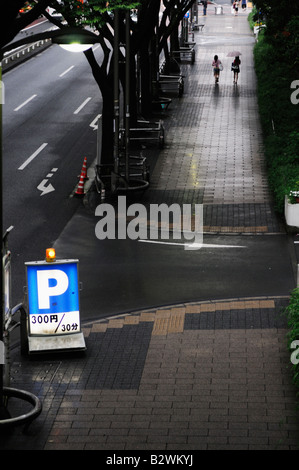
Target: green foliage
(291, 43)
(251, 17)
(277, 13)
(276, 69)
(292, 313)
(92, 12)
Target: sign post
(53, 305)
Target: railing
(16, 56)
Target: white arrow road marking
(192, 246)
(32, 157)
(82, 106)
(43, 185)
(45, 189)
(94, 123)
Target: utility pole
(127, 97)
(116, 92)
(2, 353)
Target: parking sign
(53, 297)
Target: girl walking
(217, 67)
(236, 68)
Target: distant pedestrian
(236, 68)
(236, 7)
(205, 6)
(244, 5)
(217, 67)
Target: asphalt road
(50, 102)
(124, 275)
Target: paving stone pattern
(210, 375)
(214, 150)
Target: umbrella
(234, 54)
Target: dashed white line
(32, 157)
(25, 102)
(52, 171)
(66, 71)
(82, 105)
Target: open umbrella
(234, 54)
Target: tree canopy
(277, 13)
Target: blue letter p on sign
(44, 288)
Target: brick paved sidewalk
(213, 142)
(199, 376)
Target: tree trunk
(146, 88)
(107, 124)
(105, 84)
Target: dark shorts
(235, 68)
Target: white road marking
(32, 157)
(94, 123)
(197, 246)
(191, 246)
(51, 174)
(45, 188)
(82, 106)
(25, 102)
(66, 71)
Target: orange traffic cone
(80, 188)
(84, 170)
